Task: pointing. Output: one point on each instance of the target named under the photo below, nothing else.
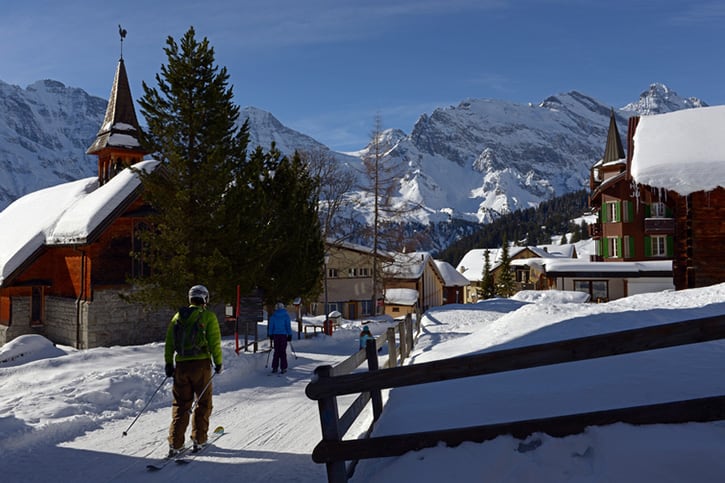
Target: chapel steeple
(614, 150)
(117, 143)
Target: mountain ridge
(471, 162)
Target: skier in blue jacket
(280, 330)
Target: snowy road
(271, 427)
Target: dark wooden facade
(700, 240)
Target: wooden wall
(700, 239)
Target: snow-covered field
(63, 412)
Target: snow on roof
(408, 265)
(471, 265)
(682, 151)
(401, 296)
(60, 214)
(80, 219)
(557, 265)
(451, 276)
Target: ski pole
(293, 349)
(268, 353)
(196, 401)
(147, 405)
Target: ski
(165, 461)
(218, 433)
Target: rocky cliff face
(45, 130)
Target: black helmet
(199, 292)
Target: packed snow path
(271, 428)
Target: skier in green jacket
(194, 338)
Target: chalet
(634, 224)
(679, 159)
(602, 281)
(454, 284)
(472, 264)
(412, 282)
(348, 282)
(65, 250)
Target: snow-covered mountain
(487, 157)
(45, 130)
(469, 162)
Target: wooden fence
(332, 382)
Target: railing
(595, 230)
(331, 383)
(400, 341)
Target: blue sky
(327, 68)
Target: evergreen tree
(217, 216)
(296, 255)
(488, 287)
(505, 286)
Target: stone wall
(20, 315)
(108, 320)
(113, 321)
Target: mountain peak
(659, 99)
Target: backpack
(190, 333)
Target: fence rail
(333, 382)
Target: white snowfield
(63, 412)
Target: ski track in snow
(270, 431)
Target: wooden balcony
(595, 230)
(659, 226)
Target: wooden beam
(694, 410)
(592, 347)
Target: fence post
(377, 398)
(403, 342)
(392, 352)
(329, 419)
(409, 332)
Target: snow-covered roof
(682, 151)
(451, 276)
(63, 214)
(560, 266)
(408, 266)
(401, 296)
(471, 265)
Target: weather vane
(122, 33)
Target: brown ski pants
(190, 379)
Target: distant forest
(529, 227)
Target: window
(366, 306)
(332, 273)
(36, 306)
(614, 246)
(659, 246)
(627, 211)
(657, 210)
(364, 272)
(598, 290)
(522, 275)
(613, 211)
(352, 272)
(628, 246)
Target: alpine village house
(66, 249)
(653, 203)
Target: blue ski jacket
(279, 323)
